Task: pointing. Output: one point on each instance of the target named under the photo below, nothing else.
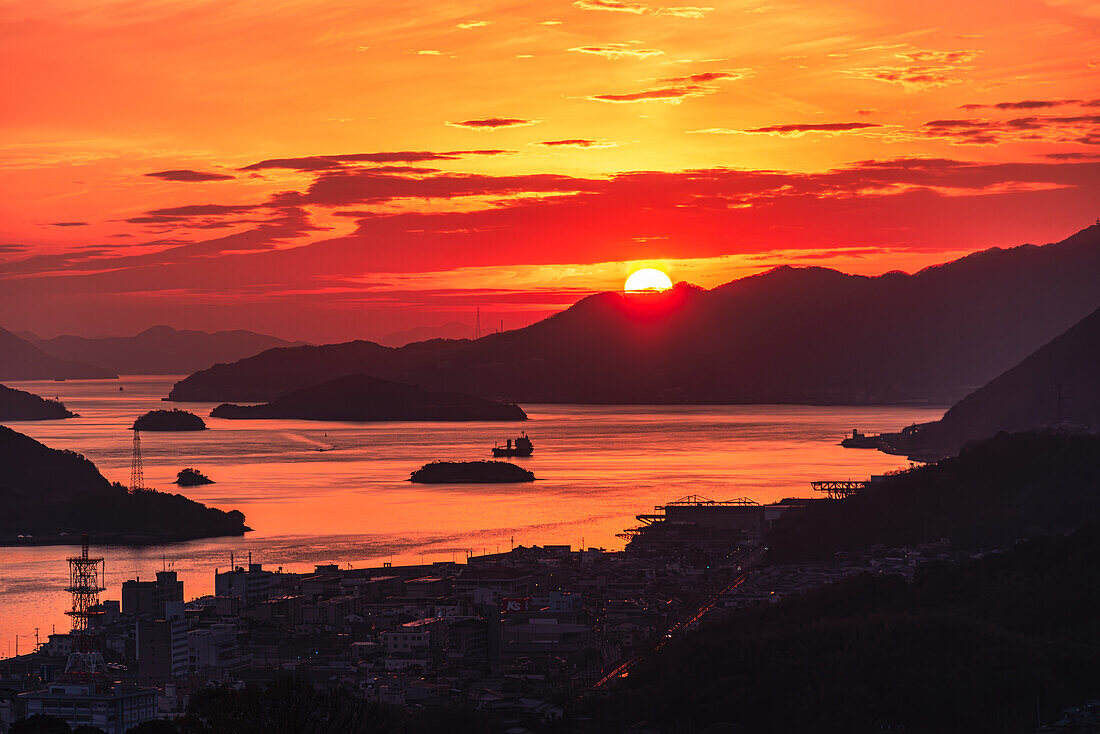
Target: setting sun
(647, 279)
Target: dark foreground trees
(989, 645)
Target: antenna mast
(477, 324)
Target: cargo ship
(861, 441)
(522, 446)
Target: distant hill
(161, 350)
(21, 360)
(449, 330)
(53, 495)
(790, 335)
(18, 405)
(363, 398)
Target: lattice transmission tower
(85, 583)
(137, 475)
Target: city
(522, 634)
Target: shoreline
(131, 540)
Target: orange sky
(331, 170)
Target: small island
(191, 477)
(49, 496)
(471, 472)
(18, 405)
(169, 420)
(365, 398)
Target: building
(113, 708)
(149, 598)
(492, 584)
(160, 646)
(213, 652)
(251, 586)
(423, 634)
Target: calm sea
(352, 503)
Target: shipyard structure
(700, 524)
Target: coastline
(135, 540)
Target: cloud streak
(576, 143)
(803, 128)
(330, 162)
(618, 51)
(494, 123)
(671, 95)
(189, 176)
(618, 6)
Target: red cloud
(189, 176)
(492, 123)
(797, 129)
(665, 94)
(570, 142)
(326, 162)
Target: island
(18, 405)
(49, 496)
(365, 398)
(190, 477)
(169, 420)
(471, 472)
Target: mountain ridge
(22, 360)
(161, 349)
(788, 335)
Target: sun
(647, 279)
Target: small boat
(522, 446)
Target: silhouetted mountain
(1057, 386)
(161, 350)
(45, 492)
(982, 633)
(996, 641)
(21, 360)
(791, 335)
(449, 330)
(363, 398)
(17, 405)
(994, 492)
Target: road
(623, 669)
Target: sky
(337, 170)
